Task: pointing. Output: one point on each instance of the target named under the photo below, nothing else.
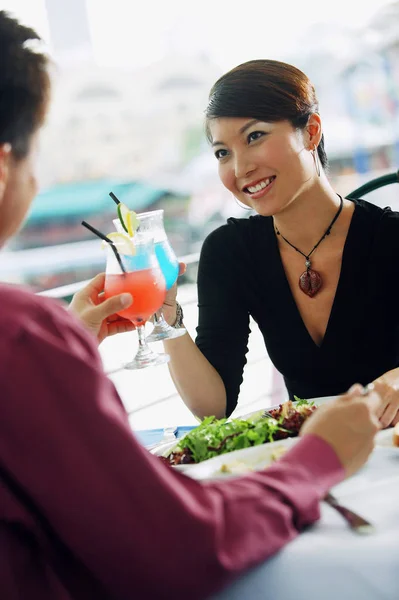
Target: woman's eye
(221, 154)
(255, 135)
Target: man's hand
(349, 425)
(99, 315)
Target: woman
(85, 511)
(315, 271)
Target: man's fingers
(112, 305)
(354, 391)
(116, 317)
(389, 415)
(374, 402)
(386, 392)
(120, 327)
(182, 268)
(94, 287)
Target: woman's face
(265, 165)
(18, 187)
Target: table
(329, 561)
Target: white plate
(163, 449)
(210, 469)
(317, 401)
(256, 458)
(167, 447)
(262, 452)
(239, 462)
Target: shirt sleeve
(138, 526)
(223, 318)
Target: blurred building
(110, 123)
(357, 82)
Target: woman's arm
(208, 373)
(197, 381)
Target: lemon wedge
(123, 243)
(128, 219)
(131, 222)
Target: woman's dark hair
(24, 85)
(267, 90)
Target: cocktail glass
(146, 283)
(151, 223)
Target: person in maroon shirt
(85, 511)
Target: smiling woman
(283, 103)
(304, 268)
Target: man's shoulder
(20, 305)
(25, 314)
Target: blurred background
(130, 86)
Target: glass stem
(141, 334)
(156, 318)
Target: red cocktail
(147, 288)
(143, 279)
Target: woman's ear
(313, 131)
(5, 157)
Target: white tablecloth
(329, 561)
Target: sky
(133, 34)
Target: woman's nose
(243, 168)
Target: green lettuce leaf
(214, 437)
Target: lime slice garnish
(131, 222)
(123, 210)
(123, 243)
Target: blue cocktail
(152, 223)
(168, 262)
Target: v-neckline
(338, 290)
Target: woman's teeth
(260, 186)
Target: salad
(214, 437)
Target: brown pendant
(310, 282)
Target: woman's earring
(241, 205)
(316, 160)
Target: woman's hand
(387, 387)
(99, 315)
(169, 305)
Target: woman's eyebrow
(242, 130)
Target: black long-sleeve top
(241, 275)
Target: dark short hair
(267, 90)
(24, 85)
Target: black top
(241, 274)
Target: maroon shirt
(87, 513)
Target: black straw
(114, 198)
(110, 242)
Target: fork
(266, 415)
(355, 521)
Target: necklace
(310, 282)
